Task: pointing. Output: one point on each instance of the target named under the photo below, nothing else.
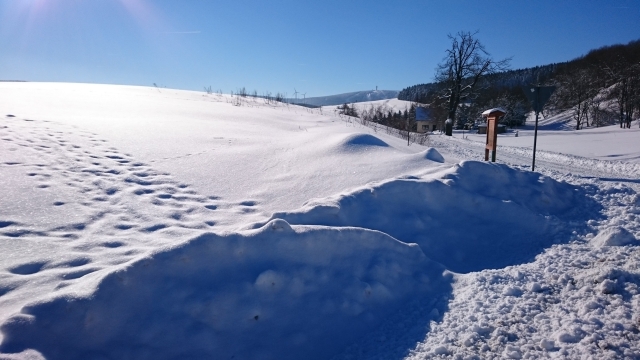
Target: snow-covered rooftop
(494, 110)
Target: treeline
(599, 88)
(400, 123)
(383, 115)
(602, 86)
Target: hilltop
(347, 98)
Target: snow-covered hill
(348, 98)
(138, 223)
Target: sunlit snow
(147, 223)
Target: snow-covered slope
(348, 98)
(138, 223)
(387, 105)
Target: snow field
(76, 209)
(74, 206)
(138, 223)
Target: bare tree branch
(463, 66)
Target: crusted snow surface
(574, 301)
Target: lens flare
(27, 10)
(142, 12)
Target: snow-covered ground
(152, 223)
(352, 97)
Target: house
(425, 121)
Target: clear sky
(317, 47)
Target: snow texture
(140, 223)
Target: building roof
(494, 110)
(423, 113)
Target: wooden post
(493, 115)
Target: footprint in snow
(28, 268)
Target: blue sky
(317, 47)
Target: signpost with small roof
(492, 115)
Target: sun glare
(142, 12)
(24, 14)
(33, 11)
(36, 7)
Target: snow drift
(477, 216)
(278, 292)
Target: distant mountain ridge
(352, 97)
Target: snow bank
(477, 216)
(278, 292)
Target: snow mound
(431, 154)
(361, 140)
(614, 236)
(278, 292)
(538, 193)
(477, 216)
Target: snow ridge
(490, 215)
(290, 292)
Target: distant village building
(425, 122)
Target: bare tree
(464, 64)
(594, 110)
(575, 91)
(625, 77)
(633, 94)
